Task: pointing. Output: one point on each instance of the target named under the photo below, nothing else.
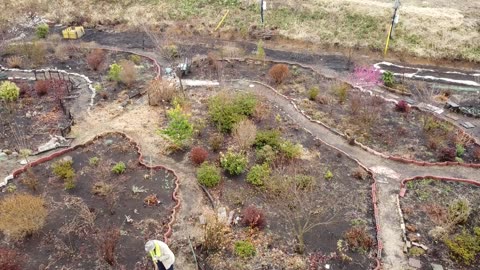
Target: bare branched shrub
(22, 215)
(62, 53)
(10, 259)
(42, 87)
(108, 243)
(95, 59)
(84, 220)
(279, 72)
(215, 234)
(160, 91)
(14, 61)
(262, 111)
(128, 74)
(244, 133)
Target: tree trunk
(300, 248)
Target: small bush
(64, 169)
(42, 31)
(341, 91)
(31, 180)
(102, 189)
(128, 73)
(171, 51)
(458, 212)
(254, 217)
(22, 215)
(447, 154)
(416, 251)
(328, 175)
(160, 91)
(358, 239)
(402, 106)
(114, 72)
(460, 150)
(208, 175)
(233, 163)
(179, 129)
(258, 174)
(215, 235)
(119, 168)
(10, 259)
(244, 133)
(136, 59)
(388, 79)
(198, 155)
(290, 150)
(304, 182)
(464, 247)
(266, 154)
(9, 91)
(14, 61)
(245, 249)
(216, 141)
(42, 87)
(93, 161)
(279, 72)
(109, 240)
(95, 59)
(268, 137)
(313, 93)
(225, 110)
(360, 173)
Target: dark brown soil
(425, 207)
(66, 241)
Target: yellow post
(221, 21)
(388, 40)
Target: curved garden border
(137, 147)
(364, 147)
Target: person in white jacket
(161, 254)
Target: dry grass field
(430, 28)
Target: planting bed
(343, 198)
(433, 218)
(372, 121)
(32, 119)
(99, 221)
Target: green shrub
(416, 251)
(69, 184)
(93, 161)
(304, 181)
(341, 91)
(266, 154)
(208, 174)
(464, 247)
(42, 31)
(290, 150)
(225, 110)
(233, 163)
(460, 150)
(179, 129)
(388, 79)
(136, 59)
(459, 211)
(328, 175)
(9, 91)
(313, 93)
(64, 169)
(268, 137)
(258, 174)
(119, 168)
(245, 249)
(114, 72)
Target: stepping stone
(467, 125)
(436, 266)
(410, 101)
(451, 116)
(415, 263)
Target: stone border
(175, 197)
(362, 146)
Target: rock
(23, 162)
(230, 217)
(3, 156)
(436, 266)
(411, 228)
(409, 244)
(222, 214)
(14, 154)
(415, 263)
(413, 237)
(8, 152)
(67, 159)
(108, 142)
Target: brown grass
(22, 215)
(95, 59)
(128, 75)
(278, 73)
(244, 133)
(160, 91)
(15, 61)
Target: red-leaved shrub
(358, 239)
(10, 259)
(254, 217)
(402, 106)
(198, 155)
(96, 58)
(279, 72)
(447, 154)
(42, 87)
